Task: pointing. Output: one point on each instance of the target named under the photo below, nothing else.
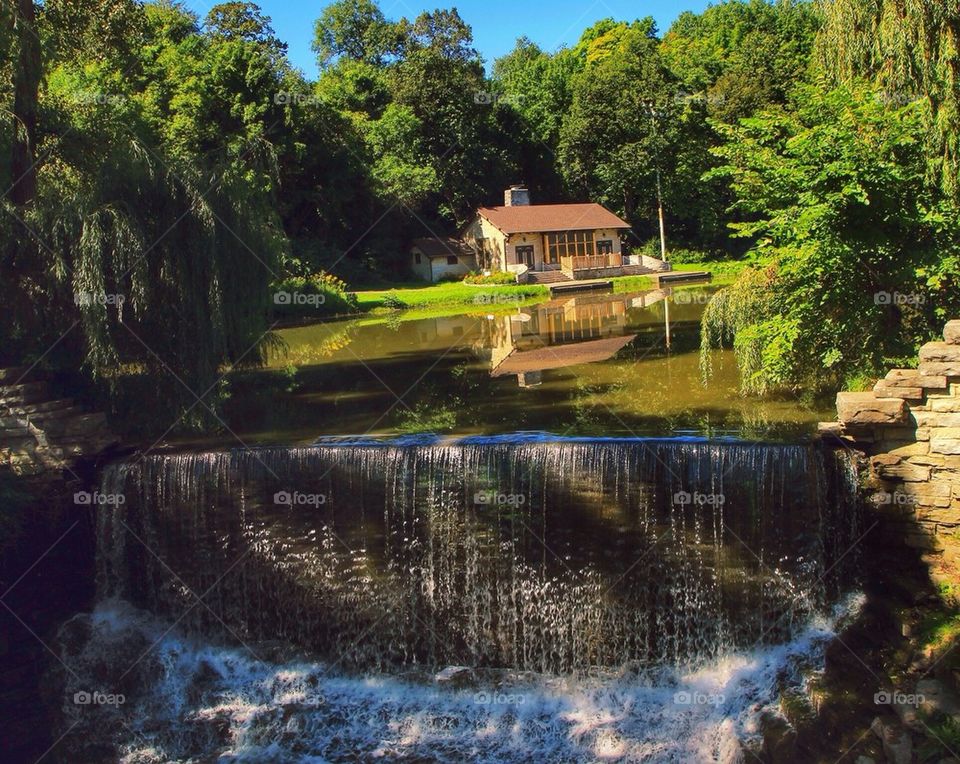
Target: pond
(581, 364)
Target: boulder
(937, 698)
(779, 739)
(455, 676)
(951, 332)
(897, 745)
(863, 409)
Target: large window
(605, 247)
(569, 244)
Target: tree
(538, 86)
(158, 250)
(857, 257)
(440, 80)
(611, 142)
(25, 97)
(355, 29)
(909, 50)
(243, 21)
(400, 171)
(741, 55)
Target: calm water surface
(586, 364)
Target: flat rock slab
(455, 676)
(884, 390)
(940, 368)
(946, 446)
(16, 374)
(913, 378)
(940, 352)
(951, 332)
(914, 473)
(867, 409)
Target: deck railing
(570, 265)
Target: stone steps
(39, 431)
(27, 392)
(15, 374)
(636, 270)
(547, 277)
(42, 408)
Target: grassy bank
(418, 295)
(723, 271)
(433, 297)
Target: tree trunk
(26, 83)
(629, 204)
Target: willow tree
(154, 226)
(911, 49)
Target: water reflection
(568, 331)
(589, 364)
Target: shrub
(321, 294)
(497, 277)
(393, 302)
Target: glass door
(525, 255)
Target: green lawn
(723, 271)
(435, 299)
(419, 295)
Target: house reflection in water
(562, 332)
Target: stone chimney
(516, 196)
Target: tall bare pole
(654, 116)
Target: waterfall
(531, 553)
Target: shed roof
(530, 218)
(443, 247)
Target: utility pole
(654, 116)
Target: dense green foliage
(167, 174)
(847, 195)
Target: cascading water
(596, 579)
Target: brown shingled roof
(443, 247)
(530, 218)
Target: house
(546, 243)
(436, 258)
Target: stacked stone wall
(908, 426)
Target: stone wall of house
(41, 432)
(908, 427)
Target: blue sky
(496, 23)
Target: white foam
(201, 701)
